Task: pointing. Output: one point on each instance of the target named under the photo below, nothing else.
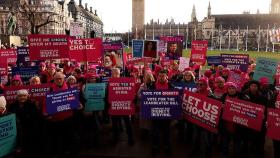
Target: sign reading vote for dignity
(161, 104)
(121, 95)
(201, 110)
(61, 101)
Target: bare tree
(36, 14)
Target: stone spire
(209, 10)
(193, 18)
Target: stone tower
(209, 11)
(193, 16)
(138, 16)
(275, 7)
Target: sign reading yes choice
(265, 68)
(8, 134)
(85, 49)
(45, 47)
(62, 101)
(201, 110)
(273, 124)
(244, 113)
(235, 61)
(95, 94)
(161, 105)
(121, 95)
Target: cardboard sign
(273, 124)
(121, 95)
(161, 105)
(9, 56)
(151, 49)
(174, 47)
(45, 47)
(115, 49)
(23, 56)
(137, 48)
(202, 111)
(184, 63)
(214, 60)
(199, 52)
(26, 72)
(37, 92)
(265, 68)
(235, 61)
(95, 95)
(61, 101)
(85, 49)
(8, 134)
(244, 113)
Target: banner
(198, 52)
(23, 56)
(45, 47)
(161, 104)
(137, 48)
(202, 111)
(174, 47)
(235, 61)
(3, 69)
(25, 72)
(277, 76)
(184, 63)
(273, 124)
(265, 68)
(37, 92)
(8, 134)
(85, 49)
(9, 56)
(244, 113)
(61, 101)
(150, 48)
(116, 50)
(121, 95)
(95, 96)
(214, 60)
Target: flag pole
(187, 38)
(259, 38)
(153, 30)
(221, 33)
(195, 32)
(266, 46)
(212, 39)
(229, 39)
(145, 33)
(170, 30)
(247, 38)
(237, 42)
(128, 38)
(178, 32)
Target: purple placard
(235, 61)
(61, 101)
(161, 104)
(23, 56)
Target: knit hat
(16, 78)
(220, 79)
(208, 73)
(3, 102)
(43, 64)
(22, 92)
(52, 66)
(230, 84)
(263, 81)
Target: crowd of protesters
(65, 134)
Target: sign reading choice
(161, 105)
(61, 101)
(121, 96)
(244, 113)
(202, 111)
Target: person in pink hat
(219, 88)
(16, 80)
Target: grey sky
(116, 14)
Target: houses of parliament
(217, 29)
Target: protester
(35, 80)
(117, 120)
(29, 125)
(16, 81)
(3, 103)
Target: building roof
(89, 14)
(253, 21)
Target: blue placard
(61, 101)
(104, 73)
(265, 68)
(214, 60)
(161, 104)
(95, 95)
(26, 72)
(137, 48)
(23, 56)
(8, 134)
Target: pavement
(142, 147)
